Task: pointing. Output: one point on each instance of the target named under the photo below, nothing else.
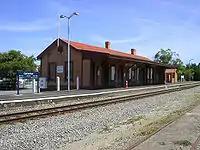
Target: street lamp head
(62, 16)
(76, 13)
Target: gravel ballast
(68, 130)
(20, 107)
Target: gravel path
(70, 130)
(180, 135)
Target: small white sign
(43, 82)
(59, 69)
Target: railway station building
(171, 75)
(98, 67)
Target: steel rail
(194, 146)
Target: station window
(133, 74)
(130, 71)
(113, 73)
(71, 70)
(52, 71)
(151, 73)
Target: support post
(126, 84)
(58, 83)
(68, 56)
(38, 85)
(77, 83)
(33, 86)
(17, 83)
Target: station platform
(75, 93)
(65, 92)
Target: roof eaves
(134, 59)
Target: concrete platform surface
(26, 94)
(180, 135)
(13, 95)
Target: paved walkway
(12, 95)
(27, 93)
(180, 135)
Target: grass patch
(173, 115)
(166, 109)
(197, 95)
(6, 123)
(22, 121)
(148, 130)
(183, 143)
(118, 139)
(106, 129)
(154, 126)
(134, 119)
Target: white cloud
(37, 25)
(127, 40)
(22, 28)
(146, 21)
(101, 39)
(181, 38)
(52, 8)
(179, 35)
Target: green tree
(197, 73)
(170, 58)
(194, 71)
(12, 61)
(181, 70)
(166, 56)
(189, 74)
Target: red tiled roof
(86, 47)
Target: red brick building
(98, 67)
(171, 76)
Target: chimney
(133, 51)
(107, 44)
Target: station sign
(28, 74)
(59, 69)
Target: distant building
(171, 75)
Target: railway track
(7, 118)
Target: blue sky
(146, 25)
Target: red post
(126, 84)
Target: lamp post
(68, 54)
